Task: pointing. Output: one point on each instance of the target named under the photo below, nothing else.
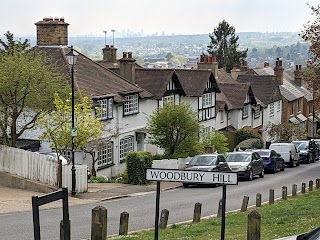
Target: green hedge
(246, 133)
(137, 163)
(250, 144)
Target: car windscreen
(203, 160)
(264, 153)
(303, 146)
(239, 157)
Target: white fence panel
(179, 163)
(81, 177)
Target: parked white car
(54, 155)
(288, 152)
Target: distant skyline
(148, 17)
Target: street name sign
(173, 175)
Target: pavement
(16, 200)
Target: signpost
(174, 175)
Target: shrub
(250, 143)
(99, 179)
(137, 163)
(246, 133)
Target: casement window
(131, 106)
(105, 155)
(126, 146)
(105, 108)
(206, 100)
(256, 111)
(271, 110)
(278, 106)
(168, 99)
(245, 111)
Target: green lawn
(293, 216)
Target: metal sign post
(174, 175)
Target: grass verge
(293, 216)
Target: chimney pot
(299, 67)
(124, 55)
(56, 19)
(111, 46)
(205, 58)
(107, 46)
(129, 54)
(214, 58)
(280, 63)
(201, 58)
(62, 19)
(50, 19)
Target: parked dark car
(206, 162)
(272, 161)
(246, 163)
(307, 151)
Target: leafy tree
(246, 133)
(224, 44)
(57, 125)
(286, 132)
(250, 144)
(28, 81)
(216, 139)
(175, 129)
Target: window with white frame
(271, 110)
(105, 108)
(278, 106)
(206, 100)
(105, 155)
(245, 111)
(168, 99)
(256, 111)
(221, 116)
(126, 146)
(131, 105)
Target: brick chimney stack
(110, 54)
(128, 66)
(298, 75)
(278, 71)
(209, 63)
(244, 67)
(52, 32)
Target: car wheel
(185, 185)
(250, 177)
(261, 175)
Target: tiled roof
(233, 94)
(112, 65)
(93, 80)
(194, 81)
(264, 87)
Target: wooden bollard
(294, 190)
(258, 200)
(310, 186)
(318, 183)
(284, 193)
(164, 219)
(197, 212)
(303, 187)
(245, 203)
(124, 223)
(219, 215)
(99, 223)
(271, 196)
(254, 226)
(62, 230)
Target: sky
(150, 16)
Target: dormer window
(105, 108)
(131, 106)
(245, 111)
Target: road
(180, 203)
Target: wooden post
(303, 188)
(310, 186)
(219, 215)
(62, 230)
(164, 219)
(99, 223)
(294, 190)
(124, 223)
(318, 183)
(284, 193)
(197, 212)
(258, 200)
(245, 203)
(254, 226)
(271, 196)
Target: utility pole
(105, 37)
(112, 30)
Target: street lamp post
(72, 57)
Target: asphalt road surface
(180, 203)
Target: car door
(258, 162)
(254, 163)
(223, 165)
(275, 159)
